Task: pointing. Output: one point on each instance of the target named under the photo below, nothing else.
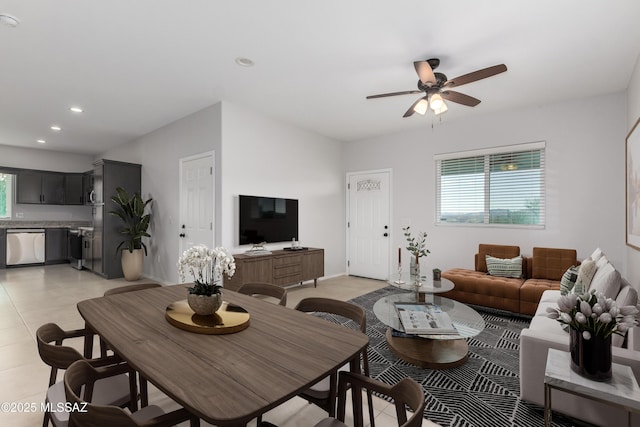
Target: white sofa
(544, 333)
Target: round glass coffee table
(430, 351)
(428, 286)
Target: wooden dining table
(229, 379)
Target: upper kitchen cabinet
(74, 189)
(49, 188)
(40, 187)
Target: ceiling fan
(436, 87)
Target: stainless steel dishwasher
(25, 246)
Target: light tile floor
(33, 296)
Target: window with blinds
(502, 185)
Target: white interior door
(196, 201)
(368, 224)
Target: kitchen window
(502, 186)
(6, 191)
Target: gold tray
(227, 320)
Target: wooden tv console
(280, 267)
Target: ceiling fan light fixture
(421, 107)
(436, 102)
(441, 110)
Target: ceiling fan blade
(424, 72)
(476, 75)
(460, 98)
(406, 92)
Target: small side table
(621, 390)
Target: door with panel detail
(196, 202)
(368, 226)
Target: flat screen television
(267, 219)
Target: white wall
(159, 153)
(264, 157)
(584, 175)
(254, 155)
(32, 158)
(633, 114)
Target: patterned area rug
(482, 392)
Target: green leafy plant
(416, 245)
(136, 222)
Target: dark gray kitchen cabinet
(74, 189)
(55, 245)
(29, 187)
(3, 247)
(37, 187)
(52, 188)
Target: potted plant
(417, 247)
(205, 267)
(136, 223)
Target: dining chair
(405, 393)
(267, 289)
(324, 392)
(131, 288)
(82, 379)
(116, 390)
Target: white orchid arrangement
(206, 267)
(592, 314)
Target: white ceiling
(136, 65)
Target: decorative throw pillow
(597, 254)
(606, 280)
(504, 267)
(585, 275)
(568, 280)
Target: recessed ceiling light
(41, 141)
(8, 20)
(56, 128)
(244, 62)
(76, 110)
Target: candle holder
(399, 281)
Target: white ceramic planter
(132, 264)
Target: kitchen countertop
(44, 224)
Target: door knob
(182, 234)
(386, 234)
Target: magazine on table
(424, 319)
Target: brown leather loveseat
(541, 271)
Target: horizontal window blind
(496, 187)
